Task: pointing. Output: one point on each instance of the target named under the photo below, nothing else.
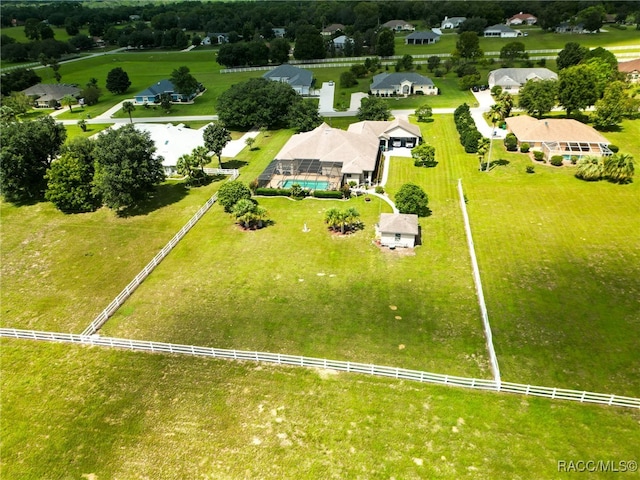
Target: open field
(71, 411)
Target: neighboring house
(335, 157)
(398, 26)
(567, 27)
(421, 38)
(154, 92)
(558, 136)
(300, 79)
(453, 22)
(632, 69)
(134, 18)
(278, 32)
(339, 42)
(48, 95)
(522, 19)
(215, 39)
(398, 230)
(501, 31)
(402, 83)
(332, 29)
(511, 79)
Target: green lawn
(76, 412)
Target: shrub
(538, 155)
(440, 72)
(327, 194)
(511, 142)
(345, 191)
(574, 159)
(379, 189)
(496, 91)
(273, 192)
(531, 169)
(297, 191)
(556, 160)
(614, 148)
(231, 192)
(524, 148)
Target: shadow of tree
(234, 163)
(164, 195)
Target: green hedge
(327, 193)
(274, 192)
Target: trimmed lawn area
(74, 131)
(72, 411)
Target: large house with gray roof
(453, 22)
(511, 79)
(402, 83)
(501, 31)
(48, 95)
(421, 38)
(300, 79)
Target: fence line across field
(122, 297)
(350, 367)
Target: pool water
(310, 184)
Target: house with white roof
(453, 22)
(402, 83)
(340, 42)
(501, 31)
(398, 26)
(398, 230)
(511, 79)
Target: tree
(68, 101)
(385, 43)
(249, 142)
(70, 179)
(412, 199)
(505, 101)
(81, 42)
(577, 88)
(619, 168)
(511, 142)
(538, 97)
(118, 81)
(183, 82)
(257, 53)
(513, 51)
(192, 165)
(611, 107)
(26, 152)
(469, 81)
(216, 137)
(602, 54)
(473, 24)
(82, 123)
(433, 62)
(279, 50)
(231, 193)
(257, 101)
(424, 155)
(373, 108)
(468, 46)
(90, 94)
(309, 44)
(592, 17)
(128, 108)
(348, 79)
(248, 213)
(424, 113)
(165, 102)
(126, 169)
(304, 116)
(18, 79)
(571, 54)
(407, 62)
(590, 169)
(18, 102)
(342, 220)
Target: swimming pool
(310, 184)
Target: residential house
(569, 27)
(632, 69)
(501, 31)
(340, 42)
(278, 32)
(453, 22)
(402, 83)
(398, 26)
(398, 230)
(511, 79)
(558, 136)
(154, 93)
(48, 95)
(334, 157)
(300, 79)
(522, 19)
(332, 29)
(421, 38)
(215, 39)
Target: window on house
(398, 237)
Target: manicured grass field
(71, 411)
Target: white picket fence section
(222, 171)
(338, 365)
(493, 359)
(122, 297)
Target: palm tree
(332, 218)
(484, 146)
(68, 101)
(82, 123)
(351, 218)
(589, 169)
(128, 107)
(619, 168)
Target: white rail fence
(350, 367)
(122, 297)
(493, 359)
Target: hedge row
(469, 134)
(286, 192)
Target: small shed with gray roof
(398, 230)
(421, 38)
(300, 79)
(402, 83)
